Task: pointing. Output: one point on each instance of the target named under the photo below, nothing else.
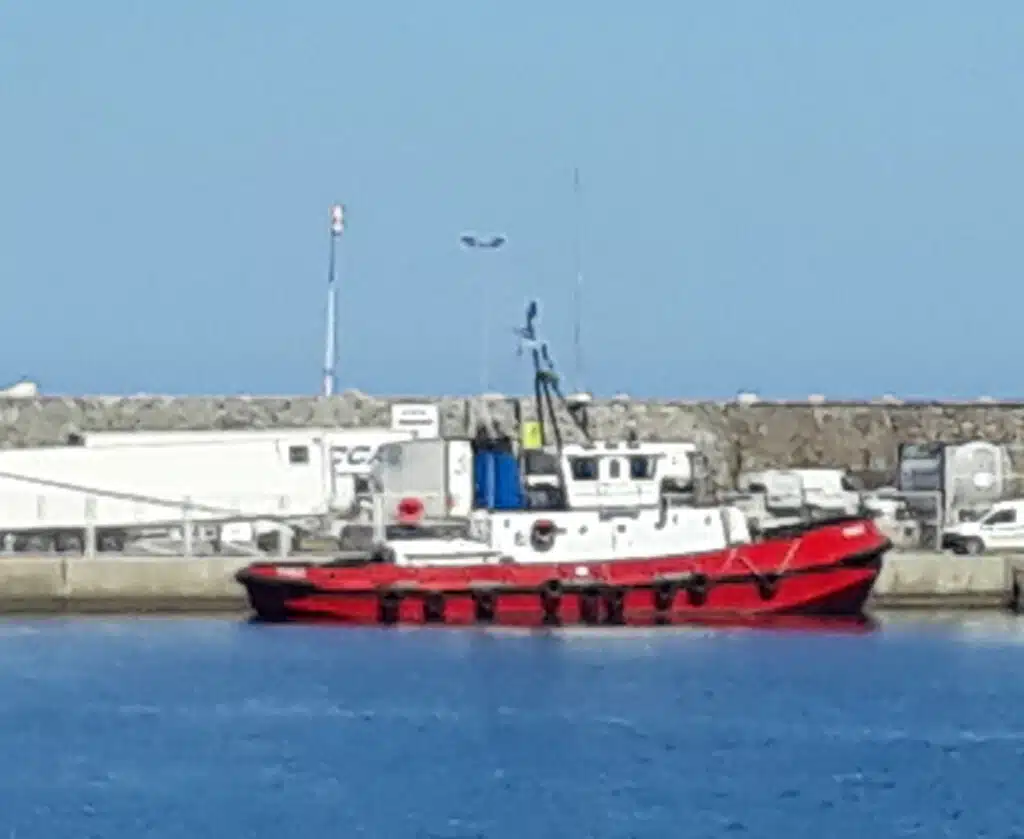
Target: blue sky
(789, 198)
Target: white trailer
(352, 450)
(63, 493)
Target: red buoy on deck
(410, 511)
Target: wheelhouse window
(614, 468)
(583, 468)
(298, 454)
(641, 468)
(538, 462)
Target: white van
(1001, 528)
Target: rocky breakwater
(859, 436)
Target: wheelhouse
(608, 474)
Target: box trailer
(61, 492)
(352, 450)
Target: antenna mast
(578, 290)
(331, 338)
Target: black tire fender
(767, 586)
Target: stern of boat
(271, 588)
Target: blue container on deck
(496, 482)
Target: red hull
(828, 570)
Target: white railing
(112, 523)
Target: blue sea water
(215, 728)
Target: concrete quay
(53, 584)
(119, 584)
(945, 581)
(854, 435)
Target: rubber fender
(485, 604)
(590, 606)
(697, 589)
(552, 588)
(615, 605)
(388, 607)
(664, 595)
(767, 586)
(551, 601)
(433, 608)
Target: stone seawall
(858, 436)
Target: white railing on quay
(66, 521)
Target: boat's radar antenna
(546, 385)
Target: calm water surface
(213, 728)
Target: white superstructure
(578, 536)
(614, 502)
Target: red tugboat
(611, 543)
(826, 570)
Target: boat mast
(331, 336)
(546, 383)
